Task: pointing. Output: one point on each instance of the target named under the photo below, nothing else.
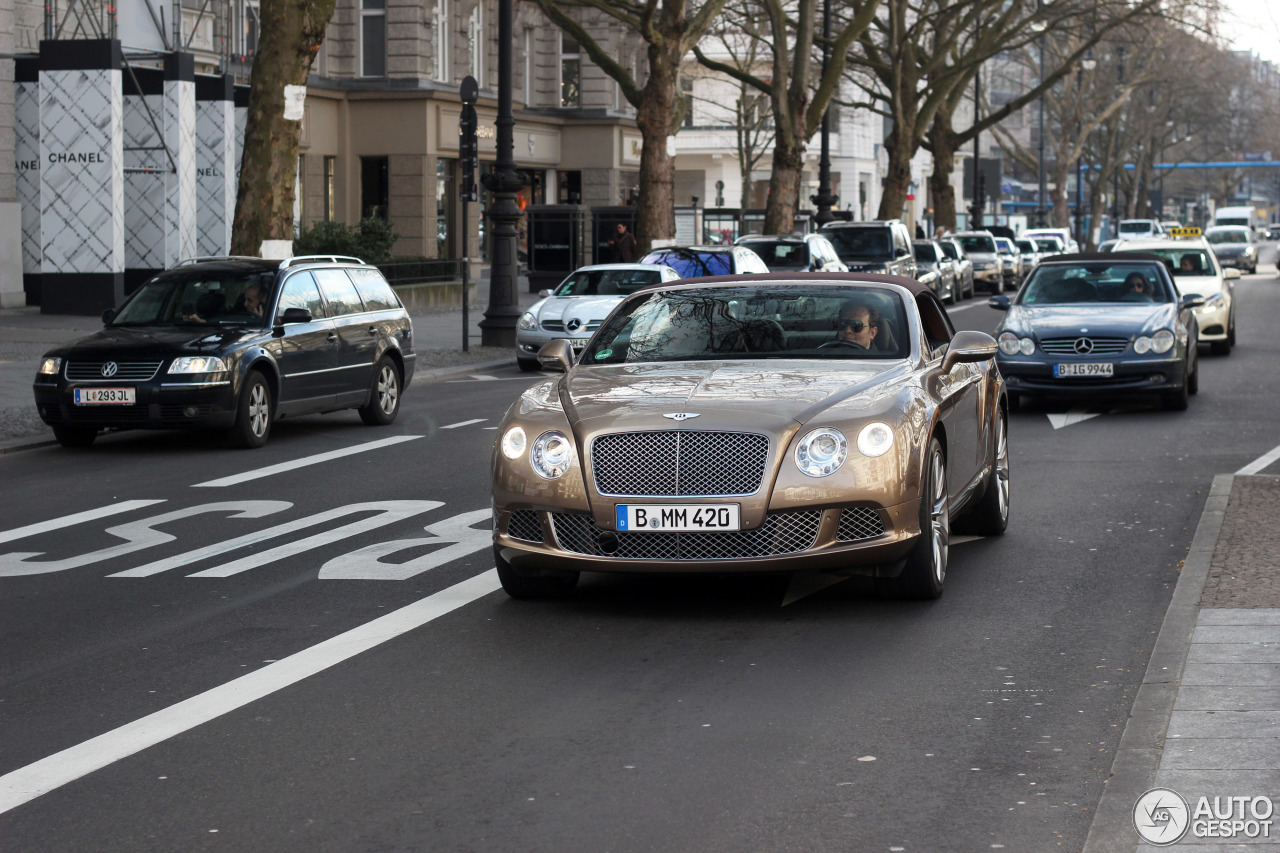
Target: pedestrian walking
(623, 245)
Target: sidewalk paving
(1206, 720)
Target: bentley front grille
(524, 524)
(858, 523)
(679, 463)
(124, 371)
(1084, 346)
(781, 533)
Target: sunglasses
(855, 325)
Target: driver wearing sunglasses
(857, 326)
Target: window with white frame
(529, 67)
(570, 72)
(686, 92)
(476, 42)
(442, 41)
(373, 38)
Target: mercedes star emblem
(1083, 346)
(680, 416)
(573, 325)
(109, 369)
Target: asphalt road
(175, 684)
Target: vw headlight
(527, 322)
(821, 452)
(1142, 345)
(197, 364)
(1162, 341)
(875, 439)
(551, 455)
(50, 366)
(513, 443)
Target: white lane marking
(457, 533)
(27, 783)
(390, 512)
(967, 307)
(77, 518)
(1261, 462)
(484, 377)
(465, 423)
(137, 535)
(1073, 416)
(263, 535)
(272, 470)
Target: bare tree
(669, 29)
(291, 34)
(788, 80)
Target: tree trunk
(1061, 205)
(943, 142)
(901, 148)
(290, 34)
(655, 208)
(784, 185)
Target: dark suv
(232, 344)
(880, 247)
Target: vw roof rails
(319, 259)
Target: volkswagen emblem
(1083, 346)
(681, 416)
(109, 369)
(573, 325)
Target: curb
(1133, 771)
(45, 439)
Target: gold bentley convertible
(828, 422)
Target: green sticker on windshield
(604, 353)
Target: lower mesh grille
(525, 525)
(857, 523)
(781, 533)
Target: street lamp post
(1115, 169)
(1086, 64)
(498, 328)
(1040, 208)
(975, 210)
(824, 200)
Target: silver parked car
(576, 307)
(931, 258)
(964, 266)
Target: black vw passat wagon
(232, 344)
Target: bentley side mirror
(969, 346)
(1000, 302)
(556, 355)
(110, 313)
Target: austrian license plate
(679, 518)
(104, 396)
(1086, 369)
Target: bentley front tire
(990, 516)
(925, 571)
(517, 585)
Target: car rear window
(782, 255)
(374, 289)
(861, 242)
(693, 264)
(977, 243)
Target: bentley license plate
(104, 396)
(1088, 369)
(678, 518)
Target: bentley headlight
(197, 364)
(1008, 343)
(513, 443)
(50, 366)
(875, 439)
(551, 455)
(1142, 345)
(821, 452)
(1162, 341)
(527, 322)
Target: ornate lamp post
(498, 328)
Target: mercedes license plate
(104, 396)
(679, 518)
(576, 344)
(1087, 369)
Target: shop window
(445, 196)
(375, 187)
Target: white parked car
(1196, 269)
(1069, 244)
(576, 307)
